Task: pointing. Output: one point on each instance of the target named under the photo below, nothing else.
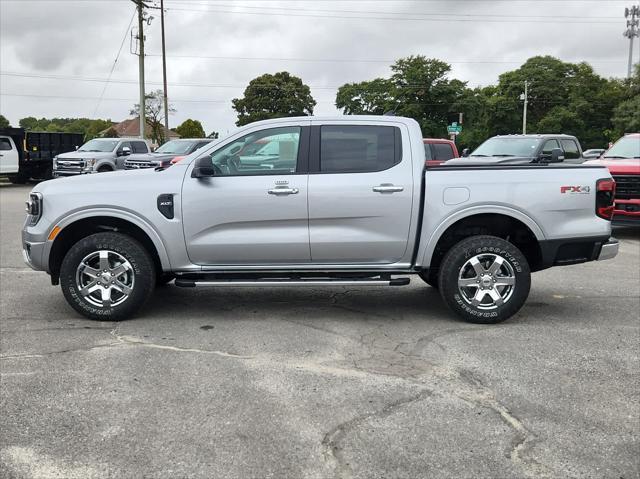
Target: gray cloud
(80, 38)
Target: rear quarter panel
(533, 195)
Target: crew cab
(623, 162)
(99, 155)
(439, 150)
(530, 148)
(350, 202)
(163, 157)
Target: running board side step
(191, 283)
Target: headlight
(90, 162)
(34, 208)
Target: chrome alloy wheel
(486, 281)
(105, 278)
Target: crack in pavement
(331, 441)
(132, 341)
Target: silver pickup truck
(336, 201)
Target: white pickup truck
(338, 201)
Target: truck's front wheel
(484, 279)
(107, 276)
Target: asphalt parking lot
(318, 383)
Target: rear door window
(444, 151)
(571, 150)
(359, 149)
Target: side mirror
(126, 151)
(466, 152)
(557, 155)
(203, 168)
(77, 147)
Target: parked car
(163, 156)
(97, 156)
(530, 148)
(623, 161)
(349, 207)
(28, 154)
(438, 150)
(593, 153)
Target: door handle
(387, 188)
(283, 191)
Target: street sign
(454, 129)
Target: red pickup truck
(623, 161)
(439, 150)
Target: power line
(113, 67)
(410, 19)
(382, 12)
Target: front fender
(122, 214)
(427, 248)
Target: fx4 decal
(583, 190)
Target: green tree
(110, 133)
(4, 123)
(626, 116)
(273, 96)
(154, 114)
(419, 88)
(214, 135)
(190, 129)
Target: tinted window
(427, 152)
(200, 145)
(550, 145)
(139, 147)
(444, 151)
(266, 152)
(570, 149)
(351, 149)
(5, 144)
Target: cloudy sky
(56, 55)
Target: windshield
(625, 147)
(99, 145)
(176, 147)
(507, 147)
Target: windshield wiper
(485, 156)
(622, 157)
(503, 156)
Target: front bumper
(609, 250)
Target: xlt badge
(165, 205)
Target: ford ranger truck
(623, 162)
(336, 201)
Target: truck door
(253, 211)
(9, 157)
(360, 194)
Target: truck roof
(348, 118)
(536, 135)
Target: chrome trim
(609, 250)
(27, 259)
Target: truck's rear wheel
(107, 276)
(484, 279)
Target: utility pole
(164, 69)
(631, 32)
(525, 97)
(140, 39)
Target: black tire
(104, 169)
(430, 277)
(484, 247)
(142, 270)
(18, 179)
